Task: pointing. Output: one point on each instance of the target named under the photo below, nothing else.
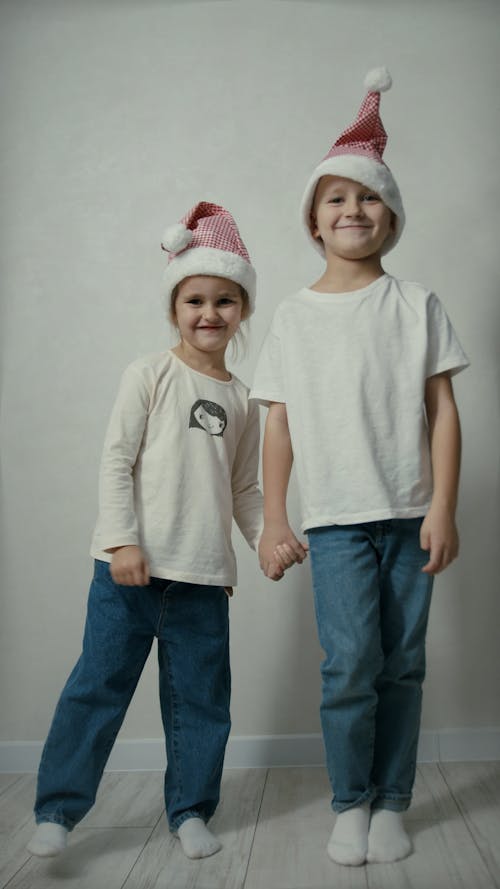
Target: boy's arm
(439, 533)
(277, 459)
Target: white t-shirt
(180, 459)
(351, 369)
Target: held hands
(439, 536)
(279, 549)
(129, 566)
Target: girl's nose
(210, 312)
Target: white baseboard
(267, 751)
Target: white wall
(120, 116)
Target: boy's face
(351, 220)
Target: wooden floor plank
(16, 824)
(274, 831)
(16, 803)
(94, 859)
(163, 864)
(7, 779)
(13, 852)
(476, 788)
(127, 799)
(444, 857)
(295, 824)
(431, 796)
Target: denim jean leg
(195, 689)
(93, 702)
(405, 602)
(345, 583)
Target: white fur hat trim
(210, 261)
(374, 175)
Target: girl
(180, 460)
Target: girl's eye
(371, 197)
(335, 200)
(226, 301)
(194, 301)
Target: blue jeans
(372, 605)
(192, 627)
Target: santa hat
(207, 242)
(357, 154)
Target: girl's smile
(207, 312)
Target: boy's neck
(346, 275)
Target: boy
(356, 372)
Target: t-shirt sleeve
(269, 383)
(117, 524)
(247, 496)
(444, 352)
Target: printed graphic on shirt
(209, 416)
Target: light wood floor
(274, 825)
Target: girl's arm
(439, 533)
(118, 531)
(277, 536)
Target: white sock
(196, 839)
(49, 839)
(387, 839)
(349, 840)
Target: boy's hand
(129, 566)
(439, 535)
(279, 549)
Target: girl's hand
(439, 536)
(129, 566)
(279, 549)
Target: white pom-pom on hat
(176, 237)
(378, 80)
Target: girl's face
(207, 312)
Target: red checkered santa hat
(357, 155)
(207, 242)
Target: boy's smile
(351, 220)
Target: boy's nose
(353, 207)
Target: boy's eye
(226, 301)
(371, 197)
(335, 200)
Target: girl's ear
(313, 228)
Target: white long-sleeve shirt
(180, 459)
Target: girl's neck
(346, 275)
(212, 364)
